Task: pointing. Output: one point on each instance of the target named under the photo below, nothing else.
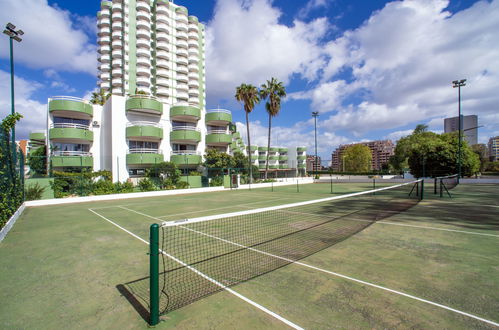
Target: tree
(166, 173)
(429, 154)
(357, 158)
(99, 97)
(483, 154)
(420, 128)
(37, 160)
(272, 91)
(217, 162)
(248, 94)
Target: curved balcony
(117, 72)
(182, 52)
(193, 43)
(218, 138)
(181, 11)
(104, 76)
(117, 25)
(104, 40)
(143, 24)
(194, 92)
(161, 26)
(264, 158)
(301, 158)
(105, 13)
(162, 54)
(143, 6)
(273, 149)
(194, 101)
(144, 52)
(183, 61)
(105, 84)
(144, 61)
(143, 71)
(163, 63)
(104, 67)
(116, 35)
(181, 33)
(182, 95)
(262, 149)
(117, 54)
(283, 157)
(71, 107)
(162, 9)
(144, 34)
(144, 104)
(163, 82)
(301, 149)
(182, 43)
(302, 166)
(117, 43)
(71, 159)
(182, 78)
(185, 134)
(185, 113)
(194, 35)
(186, 158)
(193, 19)
(116, 7)
(162, 92)
(273, 157)
(261, 167)
(161, 72)
(146, 131)
(283, 150)
(162, 36)
(143, 81)
(37, 136)
(70, 132)
(182, 69)
(193, 52)
(104, 49)
(142, 156)
(193, 67)
(143, 43)
(182, 87)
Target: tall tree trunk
(249, 150)
(268, 148)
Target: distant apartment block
(469, 127)
(381, 152)
(312, 164)
(494, 148)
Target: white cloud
(402, 60)
(395, 136)
(51, 41)
(34, 113)
(311, 6)
(246, 43)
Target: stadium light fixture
(315, 114)
(458, 84)
(10, 30)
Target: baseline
(240, 296)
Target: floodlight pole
(315, 114)
(10, 30)
(459, 84)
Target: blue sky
(373, 69)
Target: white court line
(240, 296)
(337, 274)
(219, 208)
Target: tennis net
(204, 255)
(445, 183)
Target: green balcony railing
(301, 157)
(37, 136)
(218, 116)
(273, 157)
(72, 161)
(143, 130)
(144, 103)
(185, 134)
(301, 149)
(144, 158)
(186, 112)
(283, 167)
(70, 133)
(262, 148)
(65, 105)
(218, 138)
(283, 150)
(186, 159)
(283, 157)
(273, 149)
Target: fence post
(297, 186)
(331, 183)
(154, 273)
(422, 190)
(374, 186)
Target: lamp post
(10, 30)
(315, 114)
(459, 84)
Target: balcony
(144, 104)
(163, 54)
(182, 96)
(143, 6)
(144, 34)
(182, 87)
(218, 137)
(264, 158)
(37, 136)
(193, 52)
(182, 44)
(143, 24)
(162, 36)
(283, 150)
(70, 132)
(182, 52)
(301, 158)
(162, 72)
(182, 27)
(162, 92)
(302, 166)
(182, 63)
(71, 159)
(282, 158)
(182, 34)
(71, 107)
(273, 149)
(162, 27)
(146, 131)
(144, 61)
(193, 67)
(143, 71)
(162, 82)
(185, 134)
(143, 156)
(143, 81)
(194, 35)
(261, 167)
(186, 158)
(117, 82)
(273, 157)
(162, 9)
(194, 101)
(301, 149)
(193, 92)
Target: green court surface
(434, 265)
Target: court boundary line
(338, 275)
(229, 290)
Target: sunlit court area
(273, 257)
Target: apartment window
(143, 145)
(64, 120)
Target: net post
(297, 187)
(441, 188)
(331, 183)
(154, 274)
(374, 186)
(272, 184)
(435, 187)
(417, 189)
(422, 190)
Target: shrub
(34, 192)
(103, 187)
(182, 185)
(217, 181)
(123, 187)
(194, 173)
(146, 185)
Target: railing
(219, 110)
(72, 153)
(144, 151)
(217, 131)
(140, 96)
(143, 123)
(186, 152)
(184, 104)
(185, 128)
(68, 98)
(70, 125)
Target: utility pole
(315, 114)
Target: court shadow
(135, 299)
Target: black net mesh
(201, 258)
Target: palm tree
(99, 97)
(273, 90)
(248, 94)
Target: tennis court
(432, 264)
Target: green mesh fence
(11, 177)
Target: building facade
(313, 164)
(469, 127)
(381, 151)
(493, 147)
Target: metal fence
(11, 177)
